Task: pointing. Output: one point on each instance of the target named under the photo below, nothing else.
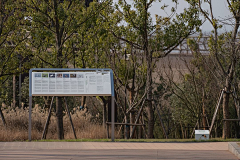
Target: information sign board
(71, 83)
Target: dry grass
(17, 125)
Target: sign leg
(113, 119)
(30, 119)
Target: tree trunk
(140, 135)
(226, 96)
(2, 117)
(132, 121)
(204, 121)
(109, 109)
(14, 91)
(58, 36)
(226, 124)
(149, 98)
(20, 89)
(126, 127)
(83, 101)
(105, 106)
(104, 114)
(148, 55)
(132, 112)
(59, 114)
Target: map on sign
(71, 83)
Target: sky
(220, 11)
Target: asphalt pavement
(114, 150)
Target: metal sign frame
(73, 70)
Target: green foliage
(11, 38)
(6, 93)
(51, 25)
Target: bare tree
(224, 48)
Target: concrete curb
(234, 148)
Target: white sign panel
(71, 83)
(201, 134)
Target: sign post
(71, 82)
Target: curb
(234, 148)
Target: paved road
(114, 150)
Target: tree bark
(149, 74)
(204, 121)
(104, 114)
(83, 101)
(105, 105)
(149, 98)
(226, 96)
(226, 124)
(132, 112)
(59, 114)
(2, 117)
(14, 91)
(132, 121)
(59, 29)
